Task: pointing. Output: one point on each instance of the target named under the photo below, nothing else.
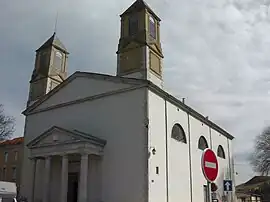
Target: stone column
(34, 163)
(83, 178)
(47, 175)
(64, 179)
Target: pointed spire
(137, 6)
(55, 24)
(53, 41)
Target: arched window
(152, 27)
(220, 152)
(178, 133)
(202, 144)
(58, 60)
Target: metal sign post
(209, 165)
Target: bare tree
(260, 158)
(7, 124)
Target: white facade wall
(119, 119)
(157, 140)
(82, 87)
(179, 157)
(197, 129)
(225, 171)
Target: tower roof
(139, 5)
(53, 41)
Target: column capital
(32, 158)
(84, 155)
(64, 155)
(48, 157)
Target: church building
(92, 137)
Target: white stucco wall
(157, 140)
(197, 129)
(82, 87)
(178, 156)
(179, 179)
(224, 164)
(119, 119)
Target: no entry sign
(209, 165)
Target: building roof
(253, 184)
(137, 6)
(146, 83)
(53, 41)
(258, 179)
(247, 194)
(14, 141)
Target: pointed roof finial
(55, 24)
(53, 41)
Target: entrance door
(72, 194)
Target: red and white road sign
(209, 165)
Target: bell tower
(50, 68)
(139, 53)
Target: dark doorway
(72, 194)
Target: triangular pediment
(82, 86)
(58, 136)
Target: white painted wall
(119, 119)
(179, 178)
(197, 129)
(157, 140)
(224, 167)
(178, 153)
(82, 87)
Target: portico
(68, 147)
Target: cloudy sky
(217, 55)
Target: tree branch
(7, 124)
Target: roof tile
(14, 141)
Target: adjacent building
(10, 160)
(116, 138)
(254, 190)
